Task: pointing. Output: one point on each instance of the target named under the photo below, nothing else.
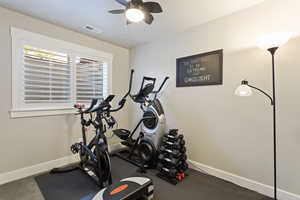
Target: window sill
(40, 112)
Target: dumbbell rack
(172, 158)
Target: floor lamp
(271, 43)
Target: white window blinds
(47, 76)
(90, 80)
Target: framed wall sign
(199, 70)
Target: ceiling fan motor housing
(146, 7)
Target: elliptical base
(133, 159)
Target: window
(90, 79)
(49, 76)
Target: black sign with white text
(199, 70)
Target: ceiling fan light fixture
(134, 15)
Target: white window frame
(19, 39)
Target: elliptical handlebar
(123, 100)
(144, 91)
(161, 86)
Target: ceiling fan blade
(152, 7)
(117, 11)
(148, 18)
(123, 2)
(137, 2)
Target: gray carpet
(196, 186)
(25, 189)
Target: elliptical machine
(142, 151)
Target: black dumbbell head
(184, 157)
(173, 132)
(170, 172)
(183, 150)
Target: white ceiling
(178, 16)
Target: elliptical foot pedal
(123, 134)
(133, 188)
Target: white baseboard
(244, 182)
(35, 169)
(43, 167)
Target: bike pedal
(75, 148)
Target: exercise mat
(76, 184)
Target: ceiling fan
(137, 10)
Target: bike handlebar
(121, 105)
(104, 105)
(81, 106)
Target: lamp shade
(273, 40)
(134, 15)
(243, 91)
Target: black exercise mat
(75, 185)
(72, 185)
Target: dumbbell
(169, 160)
(174, 152)
(159, 165)
(182, 167)
(172, 162)
(173, 132)
(183, 150)
(172, 138)
(174, 145)
(183, 157)
(170, 172)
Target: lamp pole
(273, 103)
(270, 42)
(273, 51)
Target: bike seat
(123, 134)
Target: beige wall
(224, 131)
(29, 141)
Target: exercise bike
(142, 151)
(94, 156)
